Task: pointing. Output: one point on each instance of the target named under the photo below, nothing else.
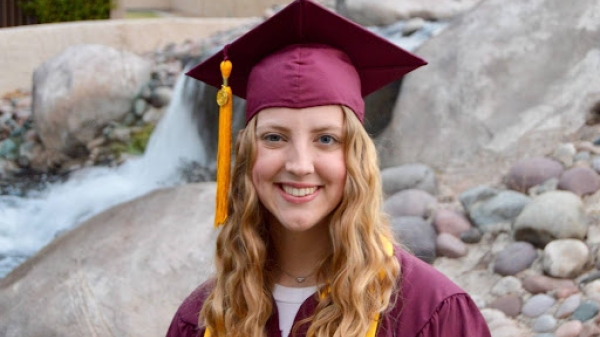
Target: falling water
(28, 224)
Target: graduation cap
(303, 56)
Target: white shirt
(288, 302)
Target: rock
(413, 25)
(596, 163)
(503, 207)
(104, 269)
(547, 186)
(510, 305)
(140, 106)
(544, 323)
(410, 202)
(417, 235)
(153, 115)
(489, 118)
(580, 180)
(8, 149)
(537, 305)
(569, 329)
(582, 158)
(508, 285)
(568, 306)
(409, 176)
(514, 258)
(161, 96)
(536, 284)
(592, 290)
(565, 258)
(549, 216)
(451, 222)
(586, 311)
(500, 325)
(471, 235)
(385, 12)
(564, 153)
(477, 194)
(589, 330)
(450, 246)
(530, 172)
(65, 117)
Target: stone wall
(25, 48)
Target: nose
(300, 161)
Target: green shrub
(48, 11)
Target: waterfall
(28, 224)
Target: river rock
(79, 91)
(530, 172)
(385, 12)
(536, 284)
(580, 180)
(564, 153)
(503, 207)
(586, 311)
(411, 202)
(500, 325)
(409, 176)
(450, 246)
(489, 118)
(568, 306)
(417, 235)
(569, 329)
(590, 329)
(101, 279)
(451, 222)
(549, 216)
(506, 286)
(537, 305)
(565, 258)
(471, 235)
(514, 258)
(510, 305)
(544, 323)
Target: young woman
(305, 249)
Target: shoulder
(429, 301)
(185, 321)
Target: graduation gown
(429, 305)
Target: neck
(299, 255)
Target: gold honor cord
(389, 250)
(225, 102)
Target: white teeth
(299, 192)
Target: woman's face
(299, 172)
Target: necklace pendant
(300, 279)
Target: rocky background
(490, 164)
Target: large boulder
(122, 273)
(81, 90)
(385, 12)
(506, 79)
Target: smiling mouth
(299, 192)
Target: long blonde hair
(360, 277)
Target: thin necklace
(299, 279)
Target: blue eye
(326, 139)
(272, 137)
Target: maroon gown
(430, 305)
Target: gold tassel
(225, 101)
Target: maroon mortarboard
(306, 55)
(303, 56)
